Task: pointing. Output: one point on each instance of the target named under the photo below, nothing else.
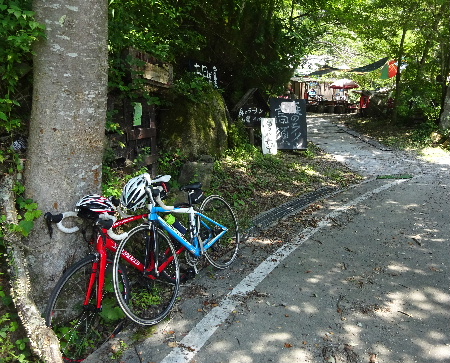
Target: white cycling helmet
(90, 206)
(134, 195)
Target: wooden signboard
(154, 71)
(290, 118)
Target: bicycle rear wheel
(153, 293)
(82, 329)
(224, 251)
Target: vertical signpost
(269, 136)
(290, 120)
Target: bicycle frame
(105, 243)
(197, 246)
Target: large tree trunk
(66, 139)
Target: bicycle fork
(151, 263)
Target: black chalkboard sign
(251, 108)
(290, 119)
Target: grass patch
(255, 183)
(418, 137)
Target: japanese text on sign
(269, 136)
(205, 70)
(251, 115)
(290, 118)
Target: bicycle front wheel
(154, 290)
(224, 251)
(82, 328)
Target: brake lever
(49, 219)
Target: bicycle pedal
(191, 273)
(188, 274)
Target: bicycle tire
(83, 329)
(153, 295)
(223, 252)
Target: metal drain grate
(267, 219)
(395, 176)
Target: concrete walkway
(366, 281)
(366, 156)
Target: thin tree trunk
(444, 121)
(398, 75)
(43, 340)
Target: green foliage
(420, 97)
(112, 183)
(422, 136)
(112, 126)
(18, 30)
(237, 135)
(415, 32)
(170, 163)
(111, 311)
(220, 33)
(194, 87)
(28, 212)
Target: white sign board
(288, 107)
(269, 136)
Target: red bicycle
(83, 309)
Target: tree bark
(43, 340)
(66, 139)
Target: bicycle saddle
(193, 186)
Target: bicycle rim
(153, 294)
(81, 329)
(223, 252)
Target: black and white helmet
(134, 195)
(90, 206)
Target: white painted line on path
(205, 328)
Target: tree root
(43, 340)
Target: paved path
(367, 281)
(365, 156)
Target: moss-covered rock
(197, 128)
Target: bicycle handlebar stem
(59, 218)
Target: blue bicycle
(211, 231)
